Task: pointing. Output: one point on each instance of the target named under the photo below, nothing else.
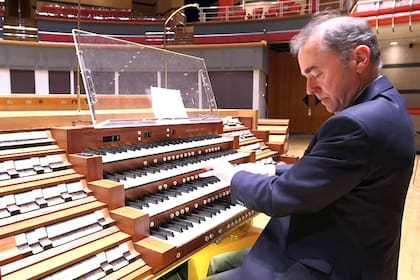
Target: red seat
(257, 13)
(221, 14)
(273, 11)
(238, 14)
(290, 7)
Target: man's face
(333, 83)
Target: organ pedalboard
(112, 203)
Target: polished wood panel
(42, 211)
(286, 91)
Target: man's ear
(362, 56)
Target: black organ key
(161, 233)
(220, 206)
(178, 223)
(185, 189)
(187, 223)
(38, 169)
(57, 166)
(160, 197)
(197, 216)
(152, 200)
(138, 172)
(41, 202)
(13, 173)
(114, 177)
(193, 219)
(110, 150)
(158, 233)
(204, 213)
(99, 152)
(136, 204)
(173, 226)
(13, 209)
(66, 196)
(171, 192)
(214, 210)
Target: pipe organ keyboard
(50, 223)
(112, 202)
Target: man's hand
(258, 168)
(225, 170)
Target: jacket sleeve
(280, 169)
(332, 167)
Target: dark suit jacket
(339, 209)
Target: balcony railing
(268, 10)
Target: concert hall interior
(110, 110)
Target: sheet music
(167, 103)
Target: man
(337, 212)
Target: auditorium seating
(273, 11)
(257, 13)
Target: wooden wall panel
(22, 81)
(286, 91)
(59, 82)
(232, 89)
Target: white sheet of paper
(167, 103)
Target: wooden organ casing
(50, 223)
(157, 253)
(83, 215)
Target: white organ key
(54, 158)
(3, 208)
(64, 227)
(115, 253)
(61, 188)
(181, 238)
(74, 187)
(34, 236)
(7, 200)
(76, 234)
(24, 198)
(76, 270)
(21, 136)
(110, 157)
(20, 239)
(119, 263)
(142, 180)
(50, 192)
(47, 160)
(26, 172)
(101, 257)
(7, 165)
(172, 202)
(36, 193)
(34, 161)
(23, 164)
(254, 146)
(41, 233)
(3, 166)
(43, 161)
(4, 176)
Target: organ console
(251, 140)
(125, 201)
(75, 203)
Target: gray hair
(340, 34)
